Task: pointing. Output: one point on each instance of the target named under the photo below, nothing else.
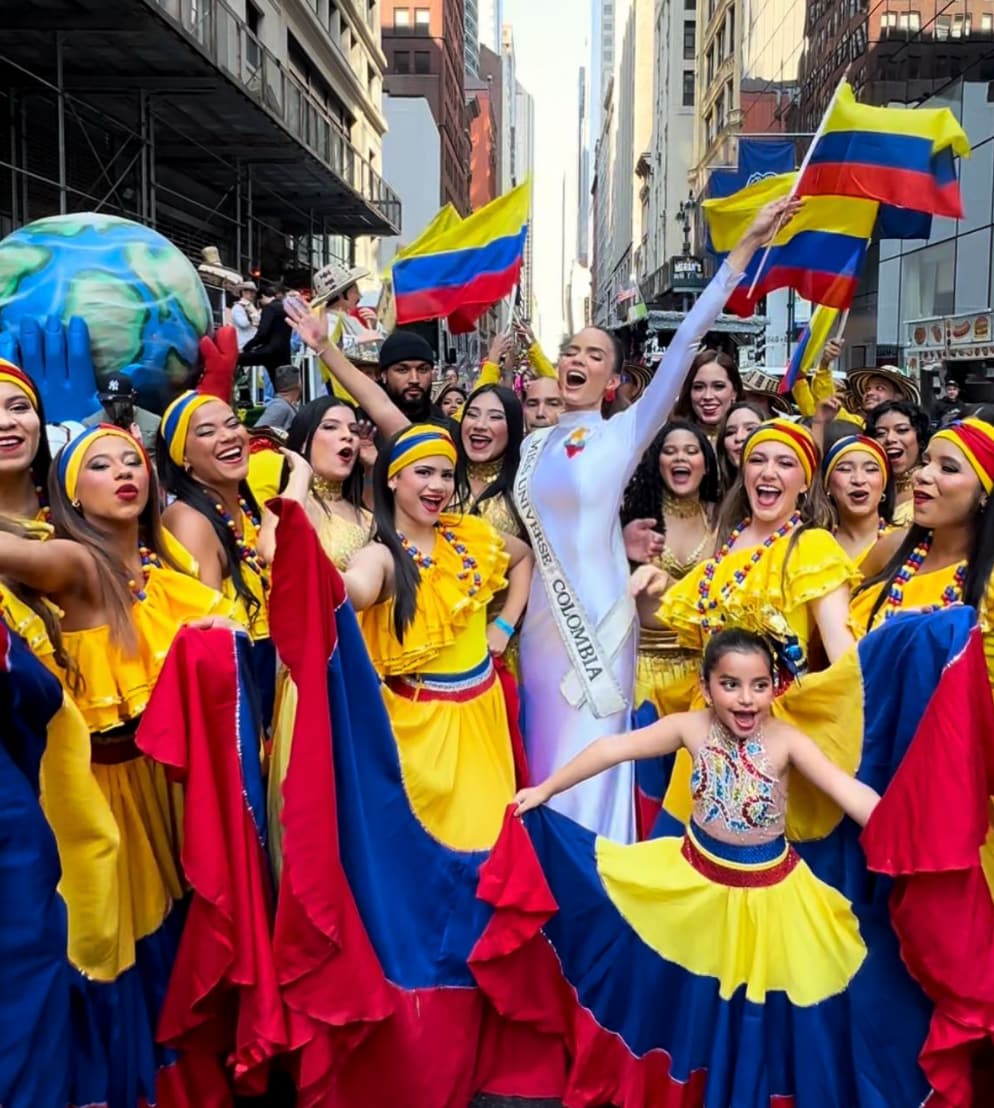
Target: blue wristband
(504, 626)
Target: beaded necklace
(704, 602)
(148, 559)
(246, 552)
(952, 594)
(470, 569)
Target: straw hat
(763, 387)
(858, 379)
(333, 279)
(640, 376)
(212, 270)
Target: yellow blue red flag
(820, 253)
(466, 268)
(897, 156)
(810, 345)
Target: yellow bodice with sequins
(500, 514)
(340, 538)
(449, 625)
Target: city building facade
(255, 127)
(524, 167)
(471, 37)
(424, 42)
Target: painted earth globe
(141, 298)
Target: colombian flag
(466, 268)
(686, 972)
(820, 253)
(807, 353)
(893, 155)
(376, 917)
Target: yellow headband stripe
(71, 456)
(787, 434)
(417, 442)
(10, 374)
(176, 421)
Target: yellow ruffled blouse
(923, 590)
(116, 686)
(769, 600)
(445, 606)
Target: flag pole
(840, 330)
(800, 173)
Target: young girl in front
(753, 954)
(741, 754)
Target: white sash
(591, 649)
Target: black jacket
(270, 346)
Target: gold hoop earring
(76, 504)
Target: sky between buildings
(551, 40)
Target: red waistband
(426, 686)
(756, 877)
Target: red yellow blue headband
(176, 421)
(13, 375)
(420, 440)
(976, 439)
(852, 444)
(795, 436)
(70, 459)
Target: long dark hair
(301, 434)
(515, 420)
(913, 413)
(406, 575)
(644, 493)
(684, 408)
(191, 492)
(116, 596)
(725, 466)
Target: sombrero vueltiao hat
(333, 279)
(763, 387)
(858, 379)
(640, 376)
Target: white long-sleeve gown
(578, 499)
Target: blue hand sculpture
(57, 356)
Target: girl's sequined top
(736, 796)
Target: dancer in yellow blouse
(422, 589)
(778, 570)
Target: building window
(422, 61)
(942, 23)
(689, 40)
(710, 63)
(909, 21)
(690, 5)
(422, 19)
(731, 27)
(888, 20)
(402, 17)
(987, 22)
(402, 61)
(961, 26)
(688, 88)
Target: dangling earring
(76, 504)
(609, 394)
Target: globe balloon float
(141, 299)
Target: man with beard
(407, 362)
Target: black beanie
(405, 346)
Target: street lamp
(685, 217)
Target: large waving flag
(587, 935)
(820, 253)
(807, 353)
(464, 270)
(897, 156)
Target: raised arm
(313, 330)
(853, 797)
(55, 567)
(662, 737)
(654, 406)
